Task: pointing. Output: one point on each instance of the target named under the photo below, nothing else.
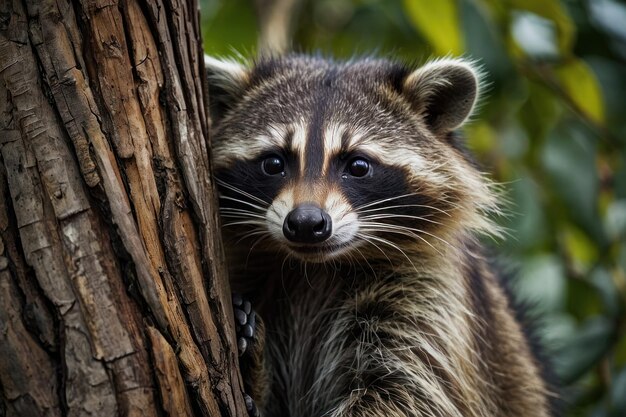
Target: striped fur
(398, 313)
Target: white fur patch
(278, 211)
(357, 136)
(277, 135)
(427, 81)
(403, 157)
(243, 148)
(298, 144)
(234, 69)
(345, 220)
(228, 74)
(332, 144)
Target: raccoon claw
(249, 341)
(245, 323)
(253, 411)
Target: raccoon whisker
(395, 216)
(250, 223)
(405, 205)
(282, 274)
(236, 210)
(385, 241)
(367, 262)
(350, 259)
(240, 191)
(334, 267)
(274, 209)
(225, 197)
(306, 275)
(406, 232)
(259, 240)
(227, 218)
(251, 234)
(240, 211)
(365, 238)
(242, 215)
(402, 232)
(384, 200)
(399, 227)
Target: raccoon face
(323, 159)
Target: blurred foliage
(552, 128)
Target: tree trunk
(113, 294)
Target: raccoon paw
(245, 324)
(253, 411)
(250, 342)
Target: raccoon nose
(307, 224)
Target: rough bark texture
(113, 297)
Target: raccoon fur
(351, 218)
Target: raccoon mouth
(319, 251)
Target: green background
(551, 128)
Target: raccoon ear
(227, 81)
(444, 92)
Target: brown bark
(113, 296)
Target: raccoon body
(351, 217)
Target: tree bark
(113, 292)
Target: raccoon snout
(307, 223)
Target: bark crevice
(121, 293)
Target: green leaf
(568, 157)
(620, 353)
(602, 281)
(618, 397)
(540, 111)
(481, 137)
(439, 22)
(554, 329)
(542, 283)
(527, 222)
(554, 11)
(578, 355)
(584, 299)
(581, 250)
(615, 221)
(581, 86)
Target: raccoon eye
(359, 167)
(273, 165)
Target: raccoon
(351, 216)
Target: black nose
(307, 224)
